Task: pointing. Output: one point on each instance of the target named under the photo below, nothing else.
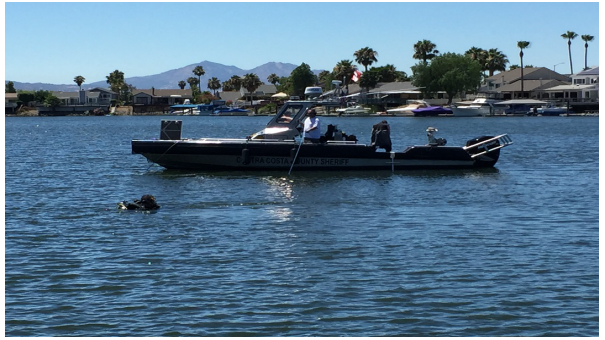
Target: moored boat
(279, 146)
(185, 109)
(551, 110)
(476, 108)
(406, 110)
(431, 111)
(353, 110)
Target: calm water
(507, 252)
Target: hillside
(170, 79)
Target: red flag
(356, 76)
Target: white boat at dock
(480, 107)
(406, 110)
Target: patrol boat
(279, 146)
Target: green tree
(515, 66)
(10, 87)
(79, 80)
(389, 74)
(199, 72)
(126, 93)
(569, 35)
(115, 80)
(365, 56)
(251, 82)
(344, 70)
(450, 72)
(586, 38)
(26, 97)
(193, 84)
(300, 78)
(41, 95)
(324, 76)
(522, 45)
(236, 81)
(479, 55)
(273, 78)
(284, 85)
(425, 50)
(495, 61)
(52, 101)
(369, 79)
(182, 84)
(228, 85)
(214, 84)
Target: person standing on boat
(312, 127)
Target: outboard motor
(381, 136)
(430, 132)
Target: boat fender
(246, 156)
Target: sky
(54, 42)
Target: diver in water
(147, 202)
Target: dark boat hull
(250, 155)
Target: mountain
(170, 79)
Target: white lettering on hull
(256, 160)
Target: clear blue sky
(54, 42)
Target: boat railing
(240, 140)
(488, 145)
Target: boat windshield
(289, 113)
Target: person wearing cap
(431, 136)
(312, 127)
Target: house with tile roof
(507, 85)
(97, 96)
(10, 102)
(582, 93)
(393, 94)
(161, 96)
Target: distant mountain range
(170, 79)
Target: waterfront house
(393, 94)
(232, 96)
(10, 103)
(161, 97)
(507, 85)
(263, 92)
(97, 96)
(584, 87)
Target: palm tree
(570, 35)
(323, 76)
(425, 50)
(192, 81)
(522, 45)
(389, 73)
(115, 80)
(365, 56)
(199, 72)
(228, 85)
(495, 61)
(236, 81)
(251, 82)
(586, 38)
(273, 78)
(79, 80)
(214, 84)
(479, 55)
(344, 69)
(182, 84)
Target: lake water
(512, 251)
